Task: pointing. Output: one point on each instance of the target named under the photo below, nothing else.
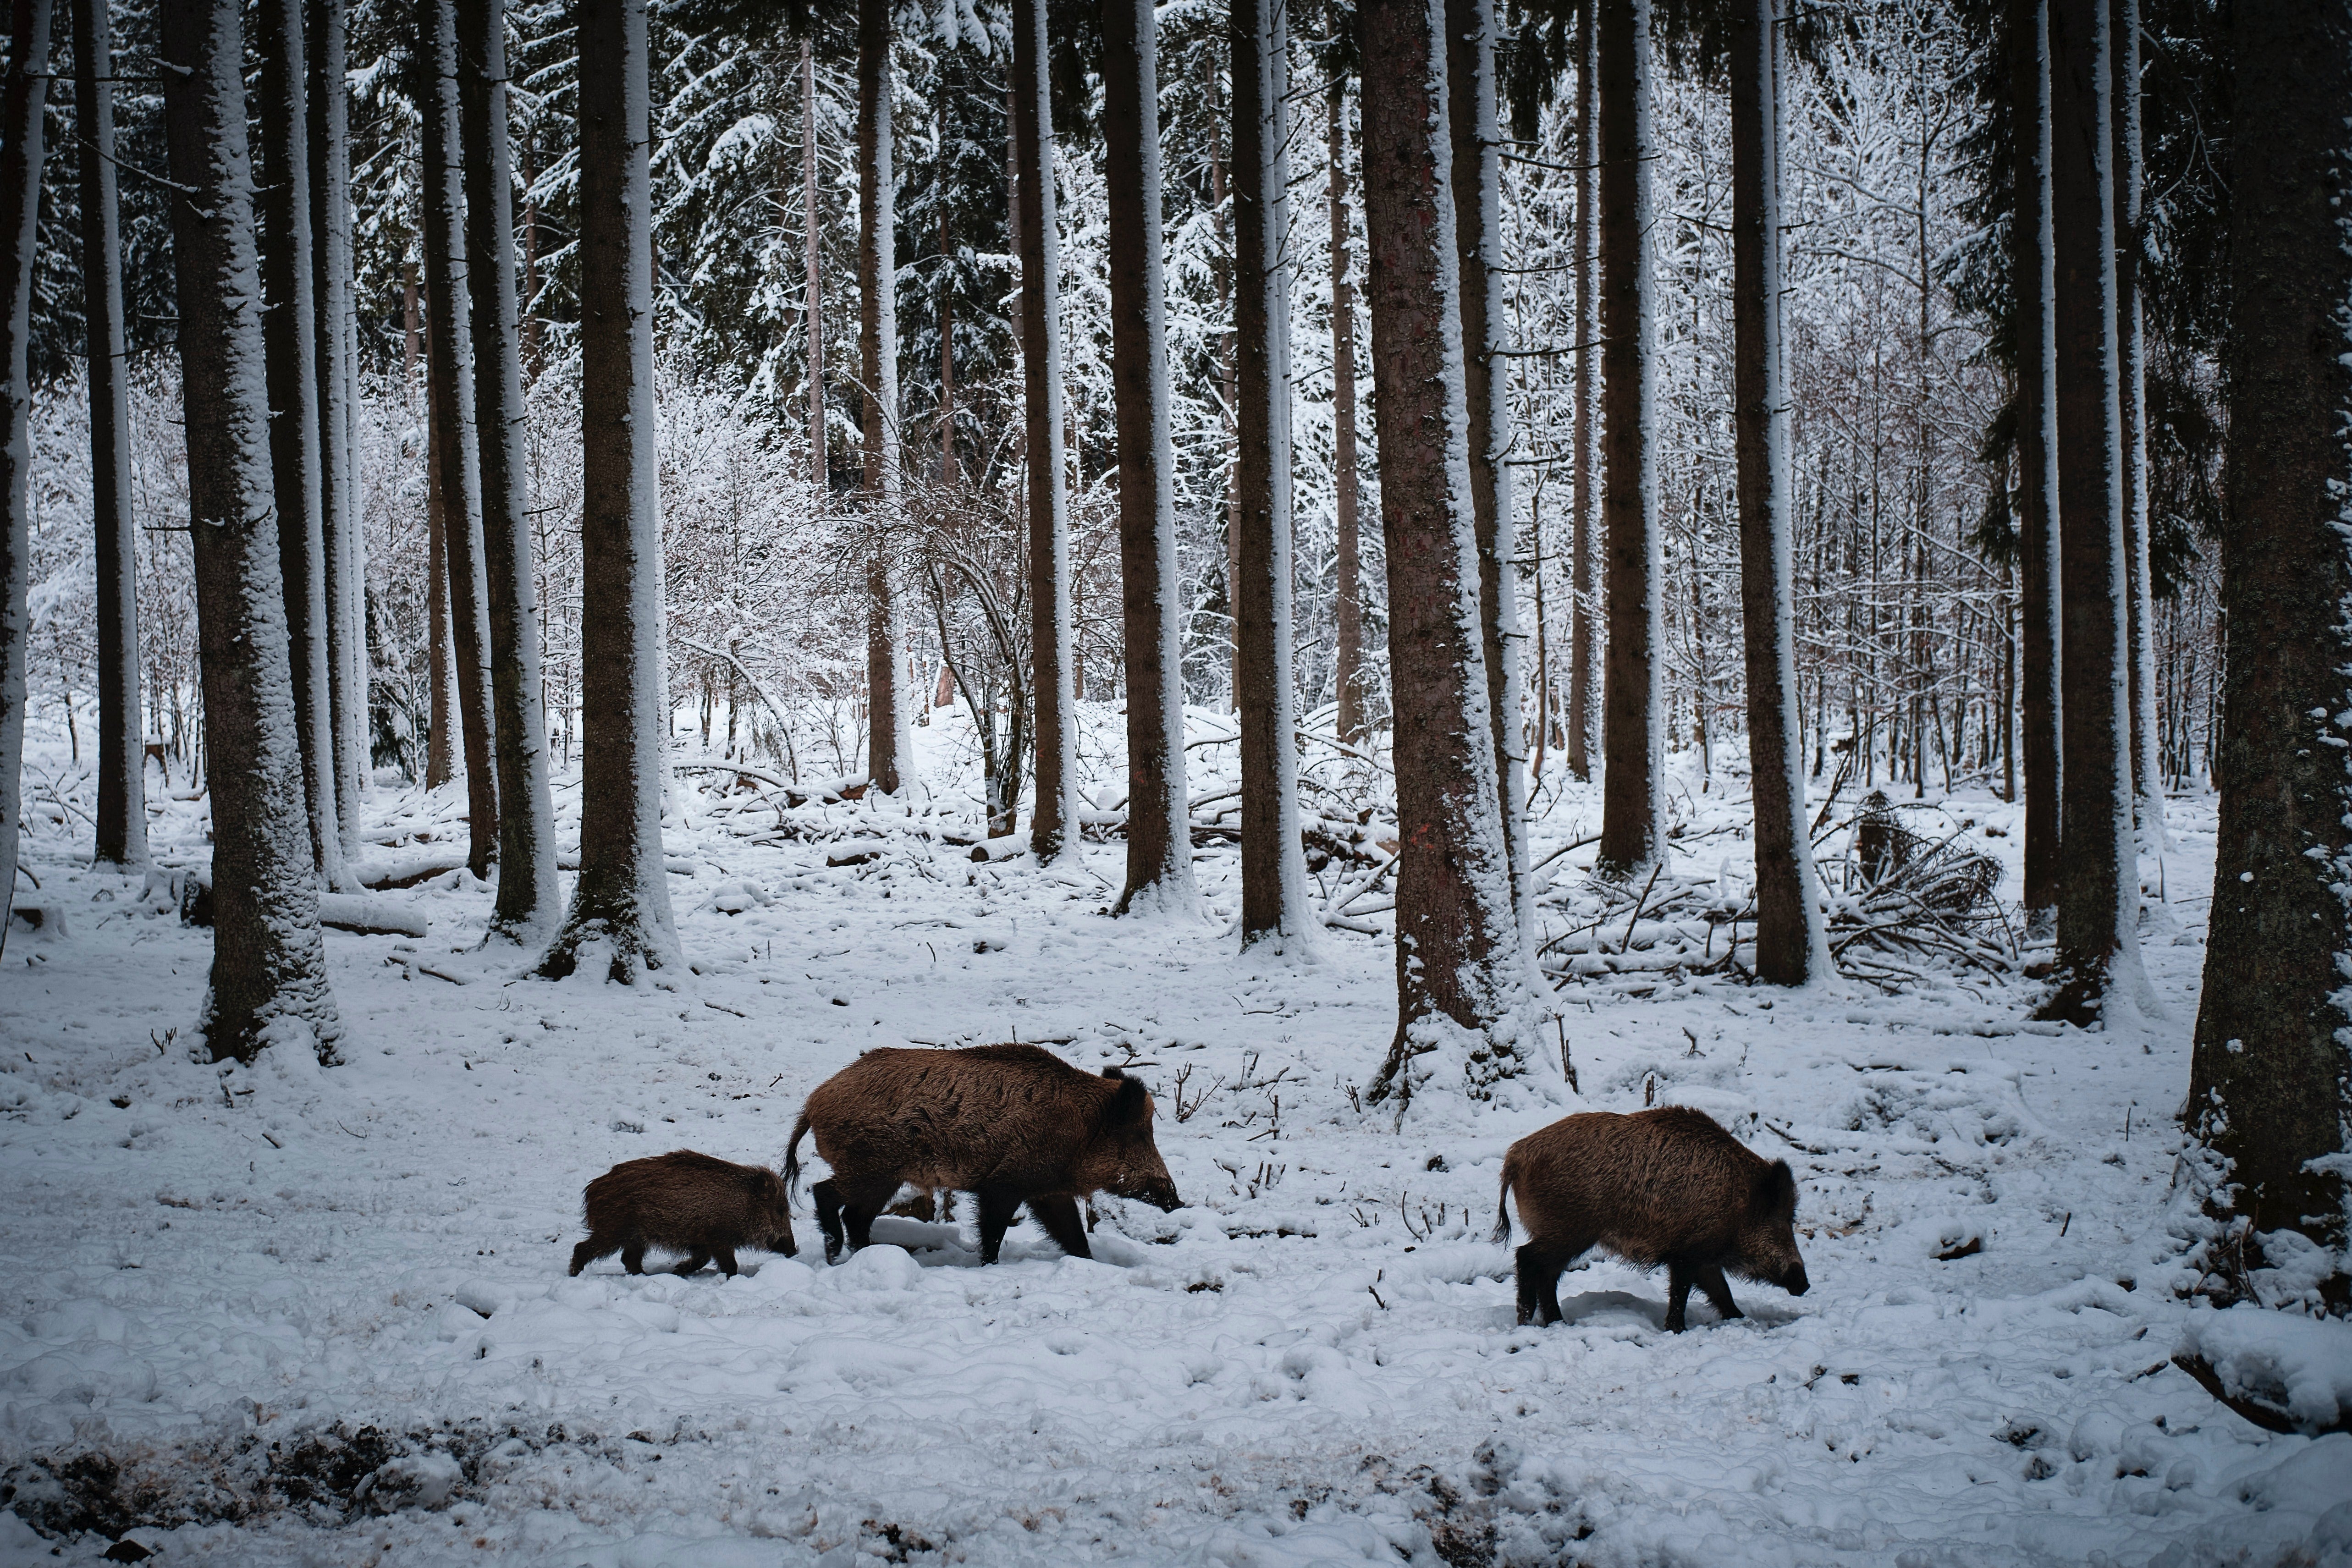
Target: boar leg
(694, 1261)
(1059, 1216)
(633, 1257)
(828, 1218)
(997, 1208)
(1709, 1278)
(588, 1251)
(860, 1204)
(726, 1257)
(1678, 1289)
(1540, 1263)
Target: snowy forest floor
(362, 1347)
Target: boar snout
(1162, 1194)
(1794, 1280)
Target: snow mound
(2300, 1367)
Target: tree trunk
(2267, 1083)
(334, 335)
(1791, 941)
(288, 328)
(1159, 834)
(2037, 451)
(450, 391)
(23, 94)
(121, 756)
(529, 897)
(1347, 675)
(441, 748)
(1582, 628)
(268, 983)
(1477, 235)
(812, 305)
(1458, 955)
(1054, 821)
(2147, 771)
(2099, 886)
(620, 914)
(1273, 867)
(1631, 835)
(890, 740)
(534, 332)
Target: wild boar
(684, 1202)
(1667, 1186)
(1009, 1123)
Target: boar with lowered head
(1667, 1186)
(684, 1202)
(1009, 1123)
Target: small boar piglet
(1009, 1123)
(1667, 1186)
(684, 1202)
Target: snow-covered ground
(282, 1314)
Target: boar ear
(1776, 1189)
(1129, 1103)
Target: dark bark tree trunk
(2037, 452)
(442, 751)
(23, 94)
(449, 388)
(1582, 627)
(529, 897)
(1477, 222)
(2147, 771)
(889, 745)
(1159, 834)
(268, 983)
(2267, 1083)
(1052, 825)
(620, 915)
(2098, 887)
(813, 306)
(1458, 955)
(334, 335)
(1631, 835)
(122, 759)
(1274, 868)
(1790, 939)
(1347, 675)
(288, 328)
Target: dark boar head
(1119, 1156)
(1767, 1234)
(771, 1218)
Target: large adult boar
(1009, 1123)
(684, 1202)
(1667, 1186)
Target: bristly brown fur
(1010, 1123)
(1667, 1186)
(684, 1202)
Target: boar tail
(1502, 1234)
(793, 1155)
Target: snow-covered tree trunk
(1348, 675)
(620, 915)
(2146, 768)
(442, 751)
(121, 758)
(1460, 975)
(335, 339)
(21, 96)
(2028, 24)
(889, 735)
(2270, 1083)
(449, 392)
(1792, 939)
(2098, 888)
(529, 897)
(1053, 826)
(1633, 737)
(1158, 817)
(1584, 626)
(289, 327)
(269, 984)
(1275, 907)
(1478, 240)
(813, 302)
